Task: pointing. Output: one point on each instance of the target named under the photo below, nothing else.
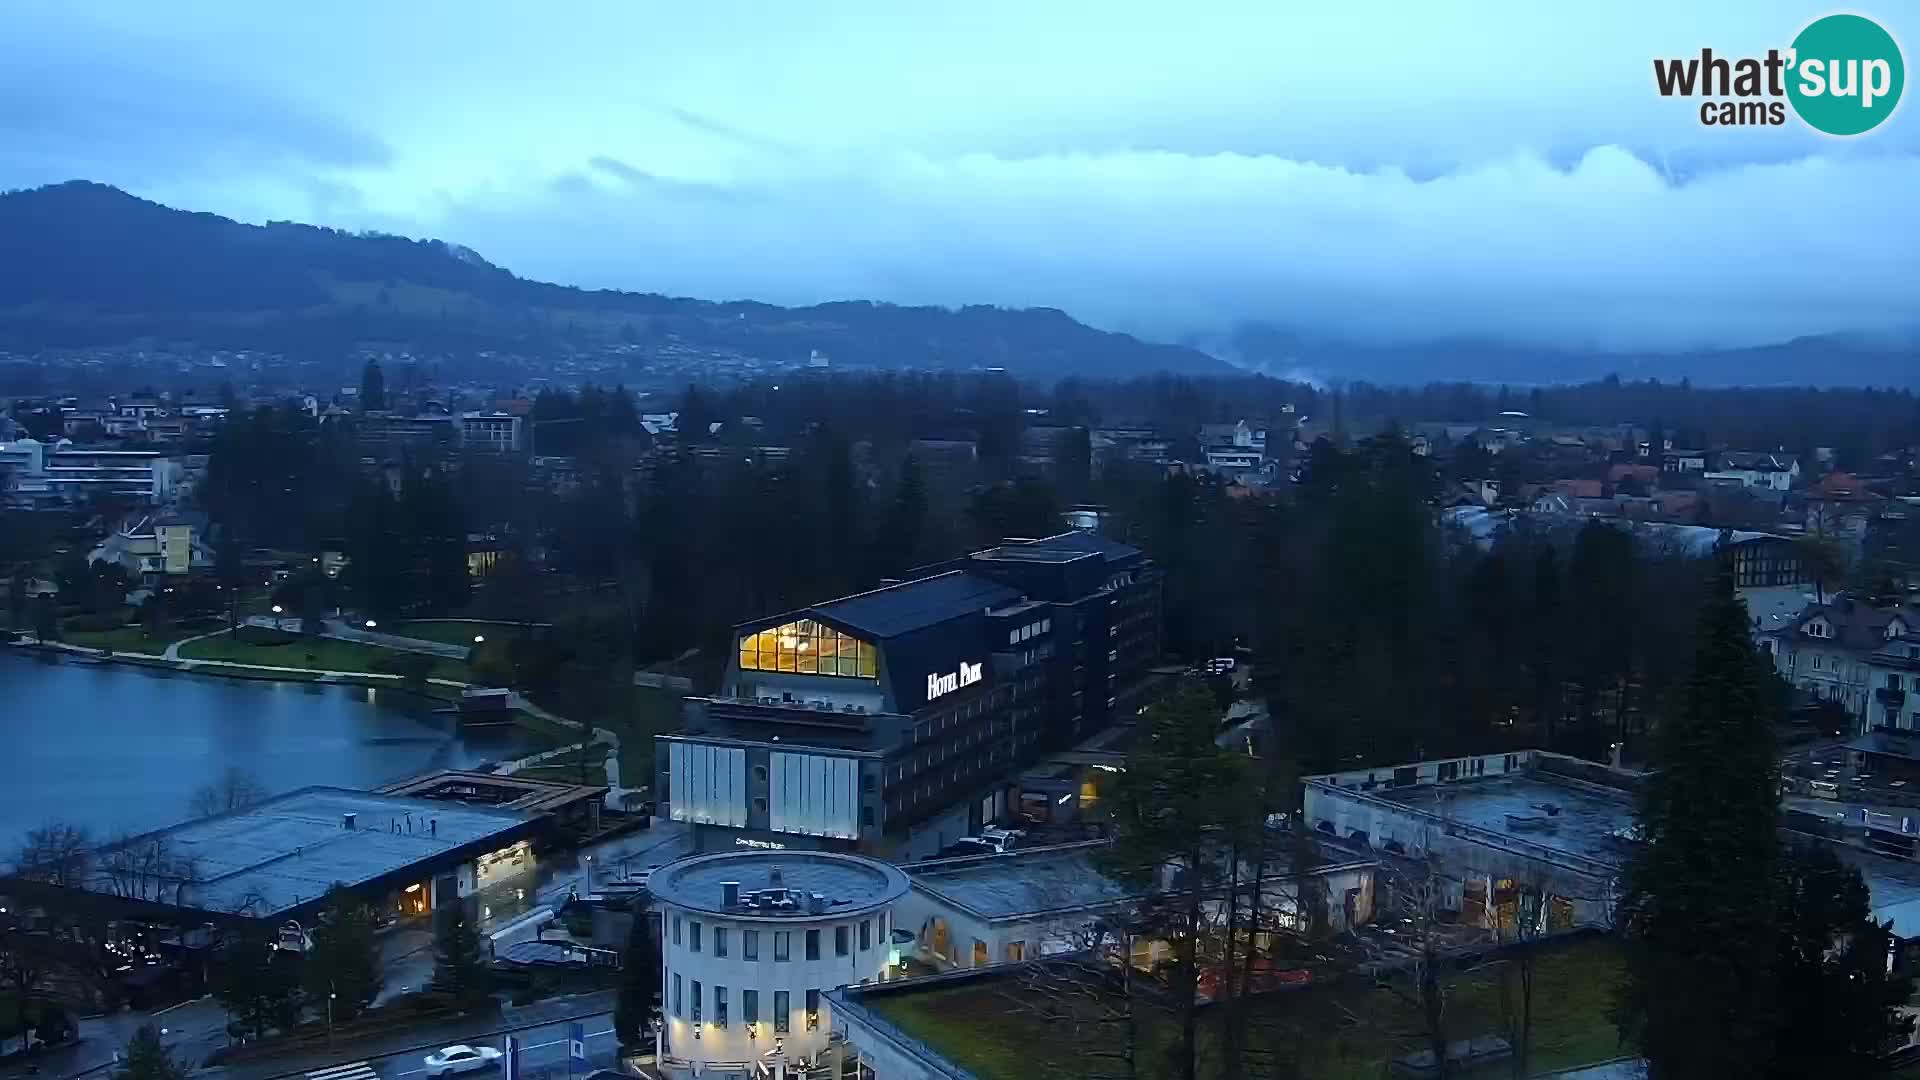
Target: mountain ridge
(93, 265)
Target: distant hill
(1828, 360)
(87, 265)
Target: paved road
(544, 1054)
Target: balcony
(1887, 695)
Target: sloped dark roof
(913, 605)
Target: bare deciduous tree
(235, 790)
(58, 853)
(146, 868)
(1091, 991)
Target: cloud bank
(1384, 172)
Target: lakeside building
(275, 861)
(897, 721)
(752, 942)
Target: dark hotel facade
(892, 722)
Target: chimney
(346, 822)
(730, 894)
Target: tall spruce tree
(373, 387)
(459, 968)
(255, 984)
(1700, 996)
(639, 981)
(1839, 1004)
(345, 959)
(1181, 792)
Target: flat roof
(851, 884)
(1893, 886)
(289, 850)
(1022, 882)
(505, 791)
(1587, 820)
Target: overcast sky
(1403, 169)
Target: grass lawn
(274, 648)
(648, 711)
(457, 633)
(1344, 1032)
(131, 639)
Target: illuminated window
(807, 647)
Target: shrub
(96, 623)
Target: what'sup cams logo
(1842, 75)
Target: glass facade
(808, 648)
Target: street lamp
(371, 624)
(479, 639)
(277, 624)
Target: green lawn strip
(1348, 1031)
(449, 632)
(274, 648)
(128, 639)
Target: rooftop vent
(346, 821)
(730, 893)
(816, 903)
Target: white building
(1772, 472)
(493, 432)
(751, 943)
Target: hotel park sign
(947, 684)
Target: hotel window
(840, 938)
(1016, 951)
(782, 1021)
(813, 944)
(719, 1006)
(807, 647)
(866, 934)
(679, 1003)
(676, 929)
(696, 1001)
(750, 1006)
(781, 938)
(750, 944)
(719, 941)
(813, 1009)
(693, 935)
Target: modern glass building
(892, 722)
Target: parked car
(459, 1059)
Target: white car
(459, 1059)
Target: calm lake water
(122, 748)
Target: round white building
(751, 943)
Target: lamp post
(330, 996)
(278, 624)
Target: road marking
(358, 1070)
(417, 1072)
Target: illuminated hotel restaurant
(894, 722)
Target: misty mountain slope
(87, 264)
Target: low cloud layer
(1516, 180)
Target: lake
(119, 748)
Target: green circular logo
(1846, 74)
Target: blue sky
(1380, 170)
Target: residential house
(1893, 672)
(1829, 651)
(1774, 472)
(1684, 461)
(148, 546)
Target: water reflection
(123, 748)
